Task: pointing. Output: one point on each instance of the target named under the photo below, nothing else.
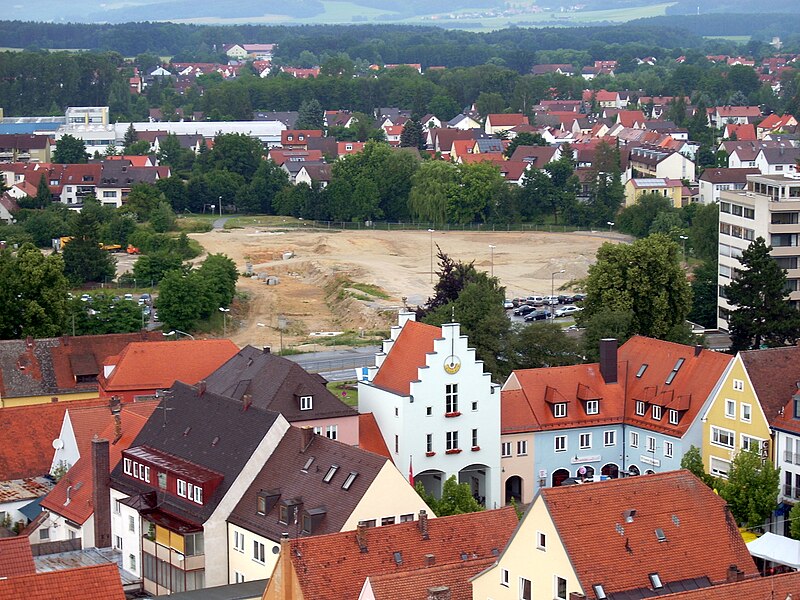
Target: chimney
(306, 437)
(361, 538)
(441, 592)
(698, 348)
(201, 387)
(430, 560)
(608, 360)
(266, 350)
(734, 574)
(576, 596)
(101, 493)
(423, 524)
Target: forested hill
(785, 25)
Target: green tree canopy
(70, 150)
(84, 259)
(752, 488)
(693, 461)
(638, 219)
(310, 115)
(540, 345)
(457, 498)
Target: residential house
(117, 179)
(462, 121)
(743, 154)
(451, 581)
(441, 140)
(669, 188)
(777, 586)
(311, 567)
(461, 149)
(310, 173)
(489, 146)
(259, 51)
(24, 148)
(393, 134)
(558, 69)
(328, 146)
(142, 369)
(297, 139)
(719, 116)
(280, 156)
(635, 412)
(235, 51)
(344, 148)
(713, 181)
(536, 156)
(178, 482)
(633, 119)
(81, 583)
(271, 382)
(500, 123)
(513, 171)
(8, 208)
(745, 132)
(313, 486)
(430, 121)
(288, 118)
(648, 161)
(628, 538)
(299, 73)
(774, 123)
(17, 558)
(437, 409)
(778, 161)
(78, 182)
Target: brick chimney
(101, 493)
(698, 348)
(734, 574)
(576, 596)
(441, 592)
(361, 538)
(423, 524)
(306, 437)
(608, 360)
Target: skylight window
(308, 464)
(660, 535)
(349, 481)
(674, 371)
(599, 592)
(641, 371)
(655, 581)
(331, 472)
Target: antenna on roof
(165, 395)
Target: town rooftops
(369, 436)
(538, 156)
(268, 381)
(400, 548)
(621, 532)
(713, 175)
(414, 585)
(778, 586)
(507, 119)
(83, 583)
(773, 373)
(406, 356)
(15, 557)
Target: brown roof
(415, 585)
(287, 474)
(83, 583)
(15, 557)
(406, 356)
(507, 119)
(780, 587)
(318, 560)
(538, 156)
(773, 373)
(702, 539)
(728, 175)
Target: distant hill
(692, 7)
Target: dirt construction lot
(321, 287)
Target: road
(337, 365)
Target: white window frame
(717, 471)
(428, 442)
(451, 440)
(641, 408)
(504, 577)
(522, 447)
(715, 436)
(126, 466)
(563, 440)
(748, 408)
(738, 385)
(332, 432)
(522, 581)
(588, 438)
(634, 439)
(652, 446)
(556, 580)
(745, 442)
(668, 449)
(674, 417)
(541, 540)
(505, 449)
(306, 402)
(730, 408)
(610, 438)
(656, 412)
(238, 541)
(560, 410)
(592, 407)
(258, 552)
(451, 398)
(181, 488)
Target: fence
(476, 227)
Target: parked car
(538, 315)
(579, 297)
(86, 298)
(145, 297)
(550, 300)
(508, 304)
(565, 299)
(128, 296)
(568, 310)
(534, 300)
(524, 310)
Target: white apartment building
(768, 207)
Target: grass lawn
(261, 221)
(346, 391)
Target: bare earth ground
(397, 262)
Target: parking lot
(537, 309)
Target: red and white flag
(410, 471)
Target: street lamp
(176, 333)
(220, 206)
(610, 224)
(683, 239)
(492, 247)
(431, 232)
(224, 312)
(552, 290)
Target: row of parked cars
(530, 307)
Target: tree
(480, 184)
(150, 268)
(752, 488)
(704, 232)
(162, 217)
(693, 461)
(604, 324)
(433, 186)
(457, 499)
(638, 218)
(412, 136)
(138, 148)
(103, 315)
(310, 115)
(794, 521)
(236, 152)
(763, 314)
(645, 279)
(219, 275)
(44, 197)
(130, 137)
(268, 180)
(542, 345)
(142, 200)
(443, 107)
(606, 192)
(70, 150)
(490, 103)
(174, 190)
(84, 259)
(524, 139)
(180, 300)
(704, 295)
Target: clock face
(452, 364)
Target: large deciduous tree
(310, 115)
(84, 259)
(763, 314)
(70, 150)
(752, 488)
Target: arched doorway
(610, 470)
(477, 476)
(514, 489)
(649, 472)
(559, 476)
(586, 473)
(633, 471)
(432, 481)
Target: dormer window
(266, 500)
(674, 417)
(306, 402)
(288, 511)
(656, 412)
(560, 410)
(592, 407)
(640, 408)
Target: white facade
(710, 192)
(782, 166)
(430, 438)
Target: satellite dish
(58, 444)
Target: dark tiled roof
(284, 472)
(773, 373)
(205, 429)
(728, 175)
(275, 383)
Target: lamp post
(431, 232)
(176, 333)
(683, 239)
(220, 206)
(491, 248)
(224, 312)
(610, 224)
(552, 290)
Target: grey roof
(781, 156)
(318, 171)
(202, 428)
(288, 118)
(288, 475)
(275, 383)
(326, 145)
(234, 591)
(120, 173)
(490, 145)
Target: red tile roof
(15, 557)
(157, 365)
(629, 118)
(744, 132)
(79, 508)
(84, 583)
(318, 560)
(28, 434)
(406, 356)
(370, 437)
(507, 119)
(415, 585)
(780, 587)
(702, 539)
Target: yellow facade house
(671, 189)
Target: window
(560, 409)
(640, 408)
(258, 552)
(675, 369)
(387, 521)
(592, 407)
(634, 439)
(238, 541)
(451, 398)
(673, 416)
(750, 443)
(585, 441)
(396, 444)
(131, 524)
(641, 371)
(745, 412)
(117, 507)
(722, 437)
(656, 412)
(396, 411)
(306, 402)
(609, 438)
(162, 481)
(332, 432)
(541, 541)
(117, 542)
(429, 442)
(474, 438)
(318, 430)
(198, 494)
(239, 577)
(126, 466)
(146, 474)
(331, 472)
(720, 467)
(504, 577)
(561, 443)
(730, 409)
(738, 385)
(351, 477)
(44, 534)
(181, 488)
(474, 405)
(524, 589)
(193, 544)
(428, 411)
(132, 562)
(655, 581)
(505, 449)
(560, 588)
(667, 449)
(451, 440)
(651, 443)
(522, 447)
(407, 518)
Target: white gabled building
(438, 411)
